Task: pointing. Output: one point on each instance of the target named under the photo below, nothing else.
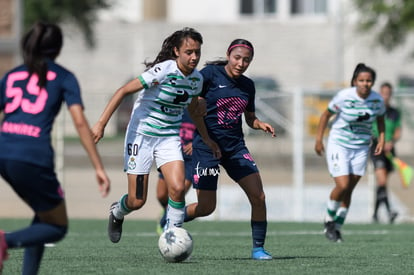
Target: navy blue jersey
(227, 99)
(29, 112)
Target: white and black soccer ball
(175, 244)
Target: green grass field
(224, 248)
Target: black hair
(235, 43)
(362, 68)
(386, 84)
(173, 41)
(43, 41)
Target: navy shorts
(188, 169)
(37, 186)
(238, 164)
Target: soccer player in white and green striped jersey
(355, 109)
(170, 84)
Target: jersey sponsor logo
(205, 171)
(363, 117)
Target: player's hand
(378, 149)
(319, 148)
(388, 146)
(97, 132)
(104, 182)
(267, 128)
(214, 147)
(188, 149)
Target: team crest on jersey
(193, 82)
(155, 82)
(131, 163)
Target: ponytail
(43, 41)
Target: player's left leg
(173, 172)
(252, 186)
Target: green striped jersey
(159, 107)
(352, 125)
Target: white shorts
(140, 152)
(345, 161)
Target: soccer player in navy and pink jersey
(31, 96)
(228, 94)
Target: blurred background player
(169, 84)
(383, 162)
(355, 111)
(31, 96)
(187, 130)
(227, 95)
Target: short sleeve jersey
(29, 112)
(159, 107)
(352, 126)
(227, 99)
(392, 123)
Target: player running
(355, 111)
(170, 84)
(228, 94)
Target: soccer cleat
(258, 253)
(3, 250)
(330, 231)
(339, 236)
(114, 226)
(393, 216)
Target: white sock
(175, 216)
(120, 209)
(332, 206)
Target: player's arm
(132, 86)
(323, 123)
(257, 124)
(198, 119)
(82, 127)
(381, 135)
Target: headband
(239, 45)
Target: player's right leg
(134, 200)
(39, 187)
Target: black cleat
(338, 236)
(331, 233)
(393, 216)
(114, 226)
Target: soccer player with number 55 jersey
(31, 96)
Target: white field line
(244, 234)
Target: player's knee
(259, 200)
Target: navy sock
(163, 219)
(32, 258)
(258, 233)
